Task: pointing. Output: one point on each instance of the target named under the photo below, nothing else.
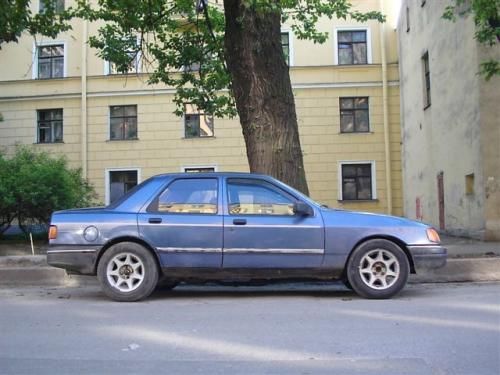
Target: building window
(57, 5)
(285, 45)
(352, 47)
(133, 65)
(354, 115)
(196, 123)
(123, 122)
(407, 19)
(427, 80)
(120, 182)
(357, 179)
(50, 61)
(132, 46)
(198, 169)
(50, 125)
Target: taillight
(52, 232)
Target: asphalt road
(293, 329)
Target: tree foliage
(34, 184)
(17, 18)
(486, 15)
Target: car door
(261, 229)
(184, 223)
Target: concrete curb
(34, 271)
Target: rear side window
(189, 196)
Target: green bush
(33, 184)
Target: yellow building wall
(161, 146)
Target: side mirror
(302, 209)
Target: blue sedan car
(236, 227)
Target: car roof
(211, 174)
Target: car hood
(363, 224)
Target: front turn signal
(52, 232)
(433, 235)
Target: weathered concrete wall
(490, 145)
(446, 136)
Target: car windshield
(129, 193)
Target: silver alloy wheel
(125, 272)
(379, 269)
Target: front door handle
(154, 220)
(239, 221)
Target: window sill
(123, 140)
(349, 133)
(48, 78)
(212, 137)
(357, 200)
(48, 143)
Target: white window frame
(214, 166)
(107, 179)
(183, 128)
(109, 122)
(37, 140)
(350, 162)
(46, 43)
(290, 45)
(107, 64)
(353, 28)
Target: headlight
(433, 235)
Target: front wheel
(378, 269)
(127, 272)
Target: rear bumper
(74, 259)
(428, 256)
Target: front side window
(123, 122)
(50, 61)
(352, 47)
(354, 115)
(50, 125)
(189, 196)
(246, 197)
(196, 123)
(56, 5)
(120, 183)
(357, 181)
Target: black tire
(378, 269)
(127, 272)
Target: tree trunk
(263, 93)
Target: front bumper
(428, 256)
(74, 259)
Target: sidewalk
(468, 260)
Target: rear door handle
(239, 221)
(154, 220)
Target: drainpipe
(387, 145)
(83, 112)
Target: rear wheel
(378, 269)
(127, 272)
